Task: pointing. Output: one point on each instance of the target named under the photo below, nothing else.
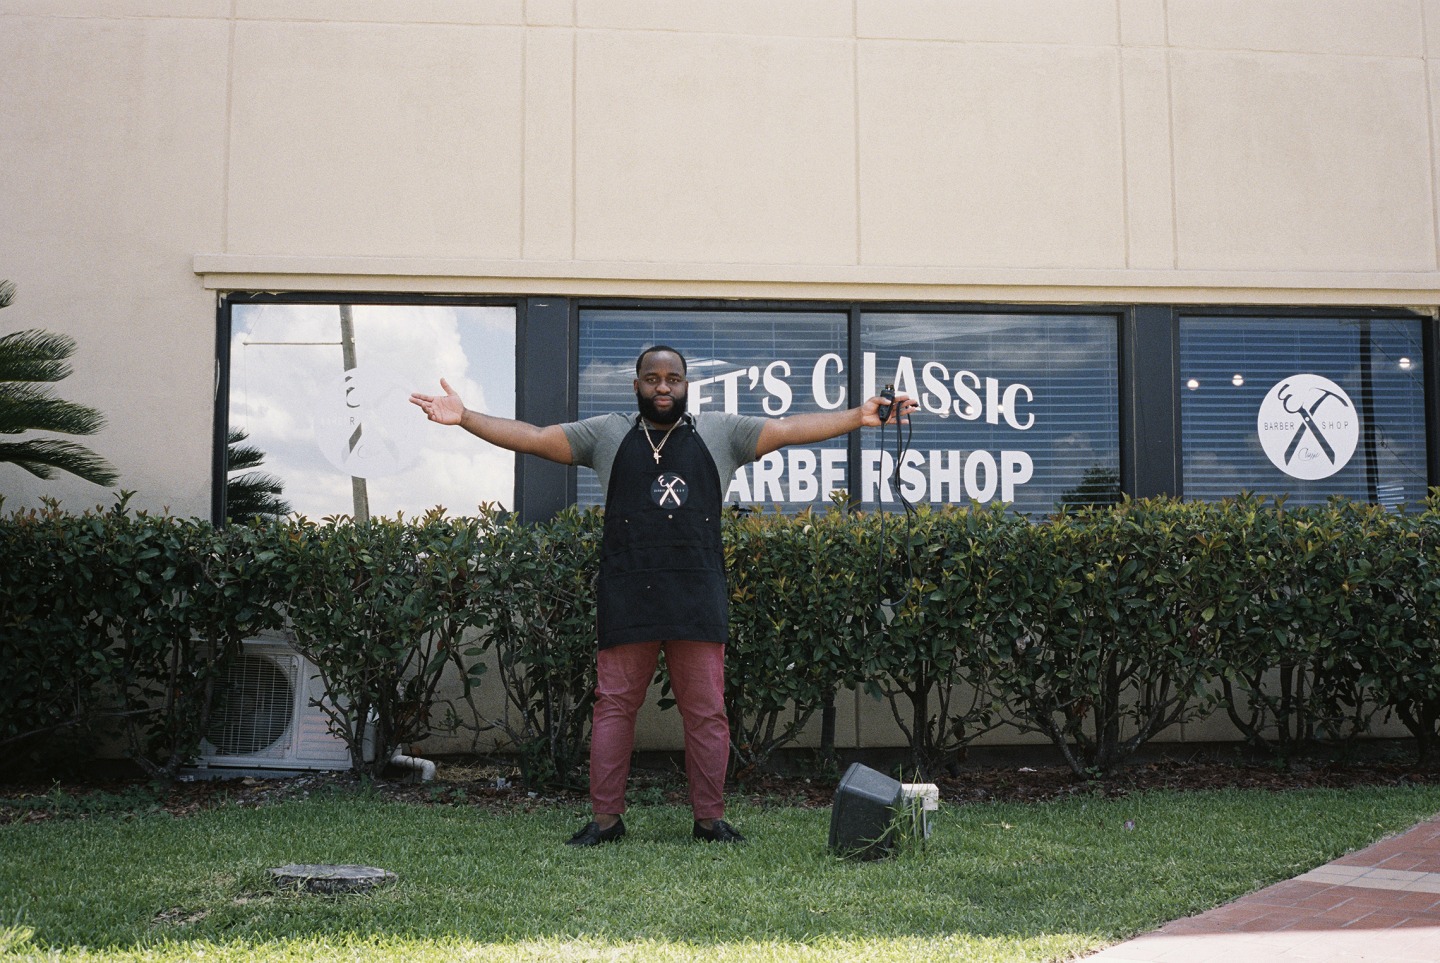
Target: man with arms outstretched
(662, 567)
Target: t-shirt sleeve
(584, 437)
(744, 436)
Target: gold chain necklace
(654, 448)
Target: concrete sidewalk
(1381, 903)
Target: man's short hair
(655, 349)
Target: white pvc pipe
(924, 799)
(425, 767)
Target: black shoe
(593, 835)
(721, 832)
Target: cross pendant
(657, 458)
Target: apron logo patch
(669, 490)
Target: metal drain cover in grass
(326, 878)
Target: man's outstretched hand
(901, 408)
(446, 409)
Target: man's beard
(657, 417)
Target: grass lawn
(997, 881)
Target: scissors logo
(669, 490)
(1308, 426)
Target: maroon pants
(697, 675)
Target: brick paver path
(1382, 903)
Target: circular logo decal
(364, 424)
(1308, 426)
(669, 490)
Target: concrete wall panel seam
(1434, 130)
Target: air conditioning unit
(265, 716)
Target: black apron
(662, 566)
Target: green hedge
(123, 621)
(1098, 629)
(381, 610)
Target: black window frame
(224, 329)
(1430, 379)
(547, 370)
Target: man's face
(660, 388)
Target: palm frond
(41, 456)
(254, 494)
(35, 355)
(24, 407)
(239, 457)
(28, 358)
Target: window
(768, 363)
(1019, 407)
(1023, 405)
(322, 390)
(1303, 407)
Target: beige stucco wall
(157, 153)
